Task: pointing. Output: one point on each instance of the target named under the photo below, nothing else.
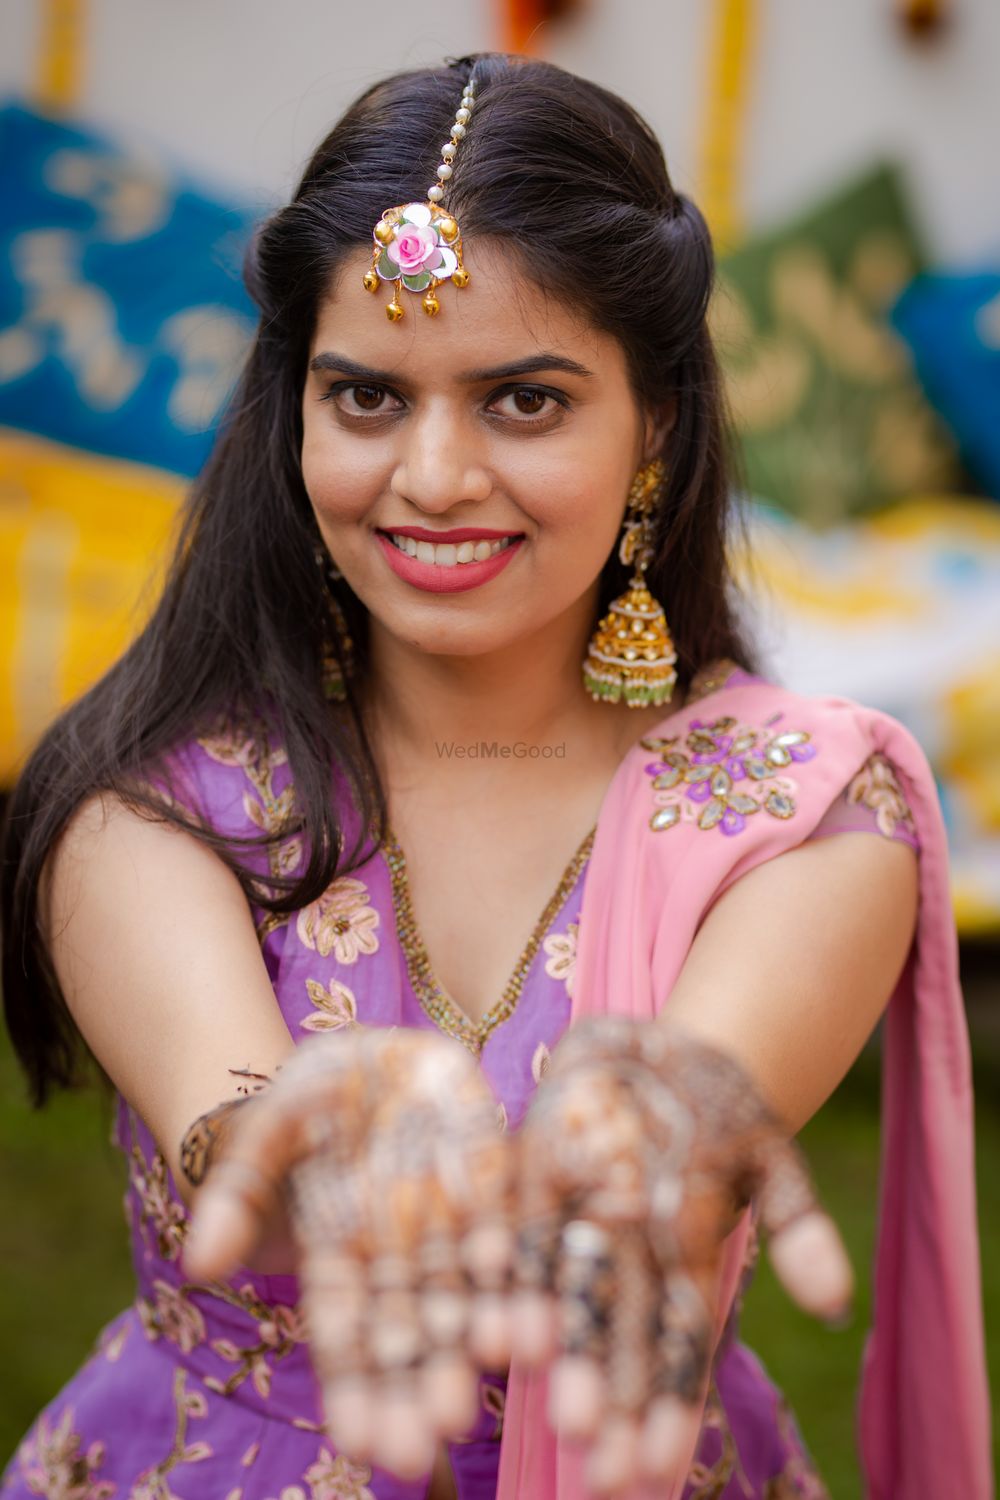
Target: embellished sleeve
(873, 801)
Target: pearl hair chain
(417, 246)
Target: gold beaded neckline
(434, 999)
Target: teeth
(449, 554)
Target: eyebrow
(531, 365)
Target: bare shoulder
(109, 848)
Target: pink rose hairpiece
(419, 245)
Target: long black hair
(552, 166)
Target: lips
(443, 578)
(457, 534)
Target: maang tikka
(631, 654)
(419, 245)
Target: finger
(449, 1389)
(672, 1417)
(534, 1310)
(335, 1298)
(405, 1441)
(811, 1262)
(632, 1327)
(612, 1463)
(669, 1433)
(684, 1341)
(584, 1286)
(487, 1255)
(632, 1321)
(534, 1326)
(396, 1337)
(351, 1407)
(229, 1216)
(576, 1395)
(405, 1437)
(449, 1384)
(805, 1246)
(274, 1132)
(444, 1295)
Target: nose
(439, 464)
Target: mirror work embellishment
(721, 773)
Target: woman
(205, 865)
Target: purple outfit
(206, 1392)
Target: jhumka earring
(334, 685)
(631, 654)
(419, 245)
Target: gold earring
(631, 654)
(332, 674)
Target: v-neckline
(435, 1001)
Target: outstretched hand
(636, 1159)
(433, 1246)
(387, 1146)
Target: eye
(530, 402)
(354, 398)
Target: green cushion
(832, 420)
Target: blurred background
(845, 156)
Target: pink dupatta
(923, 1417)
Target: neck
(426, 709)
(423, 704)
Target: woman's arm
(796, 961)
(154, 945)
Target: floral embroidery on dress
(159, 1210)
(152, 1483)
(341, 921)
(279, 1329)
(111, 1346)
(695, 777)
(561, 962)
(877, 787)
(709, 1480)
(247, 745)
(798, 1480)
(170, 1314)
(331, 1478)
(336, 1006)
(53, 1465)
(540, 1062)
(494, 1400)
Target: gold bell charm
(631, 654)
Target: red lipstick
(457, 534)
(436, 579)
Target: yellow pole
(60, 54)
(730, 53)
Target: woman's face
(506, 416)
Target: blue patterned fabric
(952, 325)
(123, 319)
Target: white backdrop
(241, 90)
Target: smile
(448, 567)
(448, 554)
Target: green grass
(63, 1243)
(66, 1268)
(816, 1368)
